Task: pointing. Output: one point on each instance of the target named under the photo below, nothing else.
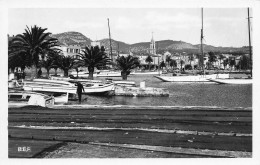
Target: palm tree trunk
(149, 66)
(34, 72)
(55, 71)
(66, 72)
(90, 72)
(48, 72)
(124, 75)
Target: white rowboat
(98, 89)
(23, 98)
(232, 81)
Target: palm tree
(126, 64)
(232, 62)
(149, 60)
(168, 60)
(34, 42)
(244, 62)
(66, 63)
(78, 63)
(221, 57)
(191, 58)
(162, 64)
(225, 63)
(54, 56)
(94, 57)
(212, 58)
(173, 63)
(47, 64)
(16, 58)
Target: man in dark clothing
(80, 88)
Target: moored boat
(75, 80)
(97, 88)
(59, 97)
(146, 73)
(84, 81)
(23, 98)
(46, 85)
(49, 88)
(51, 82)
(192, 78)
(124, 83)
(121, 82)
(233, 81)
(108, 73)
(83, 74)
(60, 78)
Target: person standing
(80, 88)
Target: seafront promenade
(130, 131)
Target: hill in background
(76, 38)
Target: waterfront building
(95, 43)
(70, 50)
(142, 57)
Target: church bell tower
(152, 46)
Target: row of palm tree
(29, 46)
(26, 49)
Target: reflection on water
(181, 94)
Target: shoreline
(89, 106)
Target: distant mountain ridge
(72, 38)
(76, 38)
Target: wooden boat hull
(124, 83)
(83, 74)
(109, 74)
(146, 73)
(121, 82)
(98, 89)
(23, 98)
(46, 85)
(59, 97)
(51, 82)
(84, 81)
(45, 88)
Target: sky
(222, 26)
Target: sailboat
(248, 80)
(194, 78)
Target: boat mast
(201, 42)
(110, 41)
(250, 49)
(118, 49)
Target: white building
(95, 43)
(70, 50)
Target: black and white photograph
(119, 79)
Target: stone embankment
(140, 91)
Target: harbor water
(181, 94)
